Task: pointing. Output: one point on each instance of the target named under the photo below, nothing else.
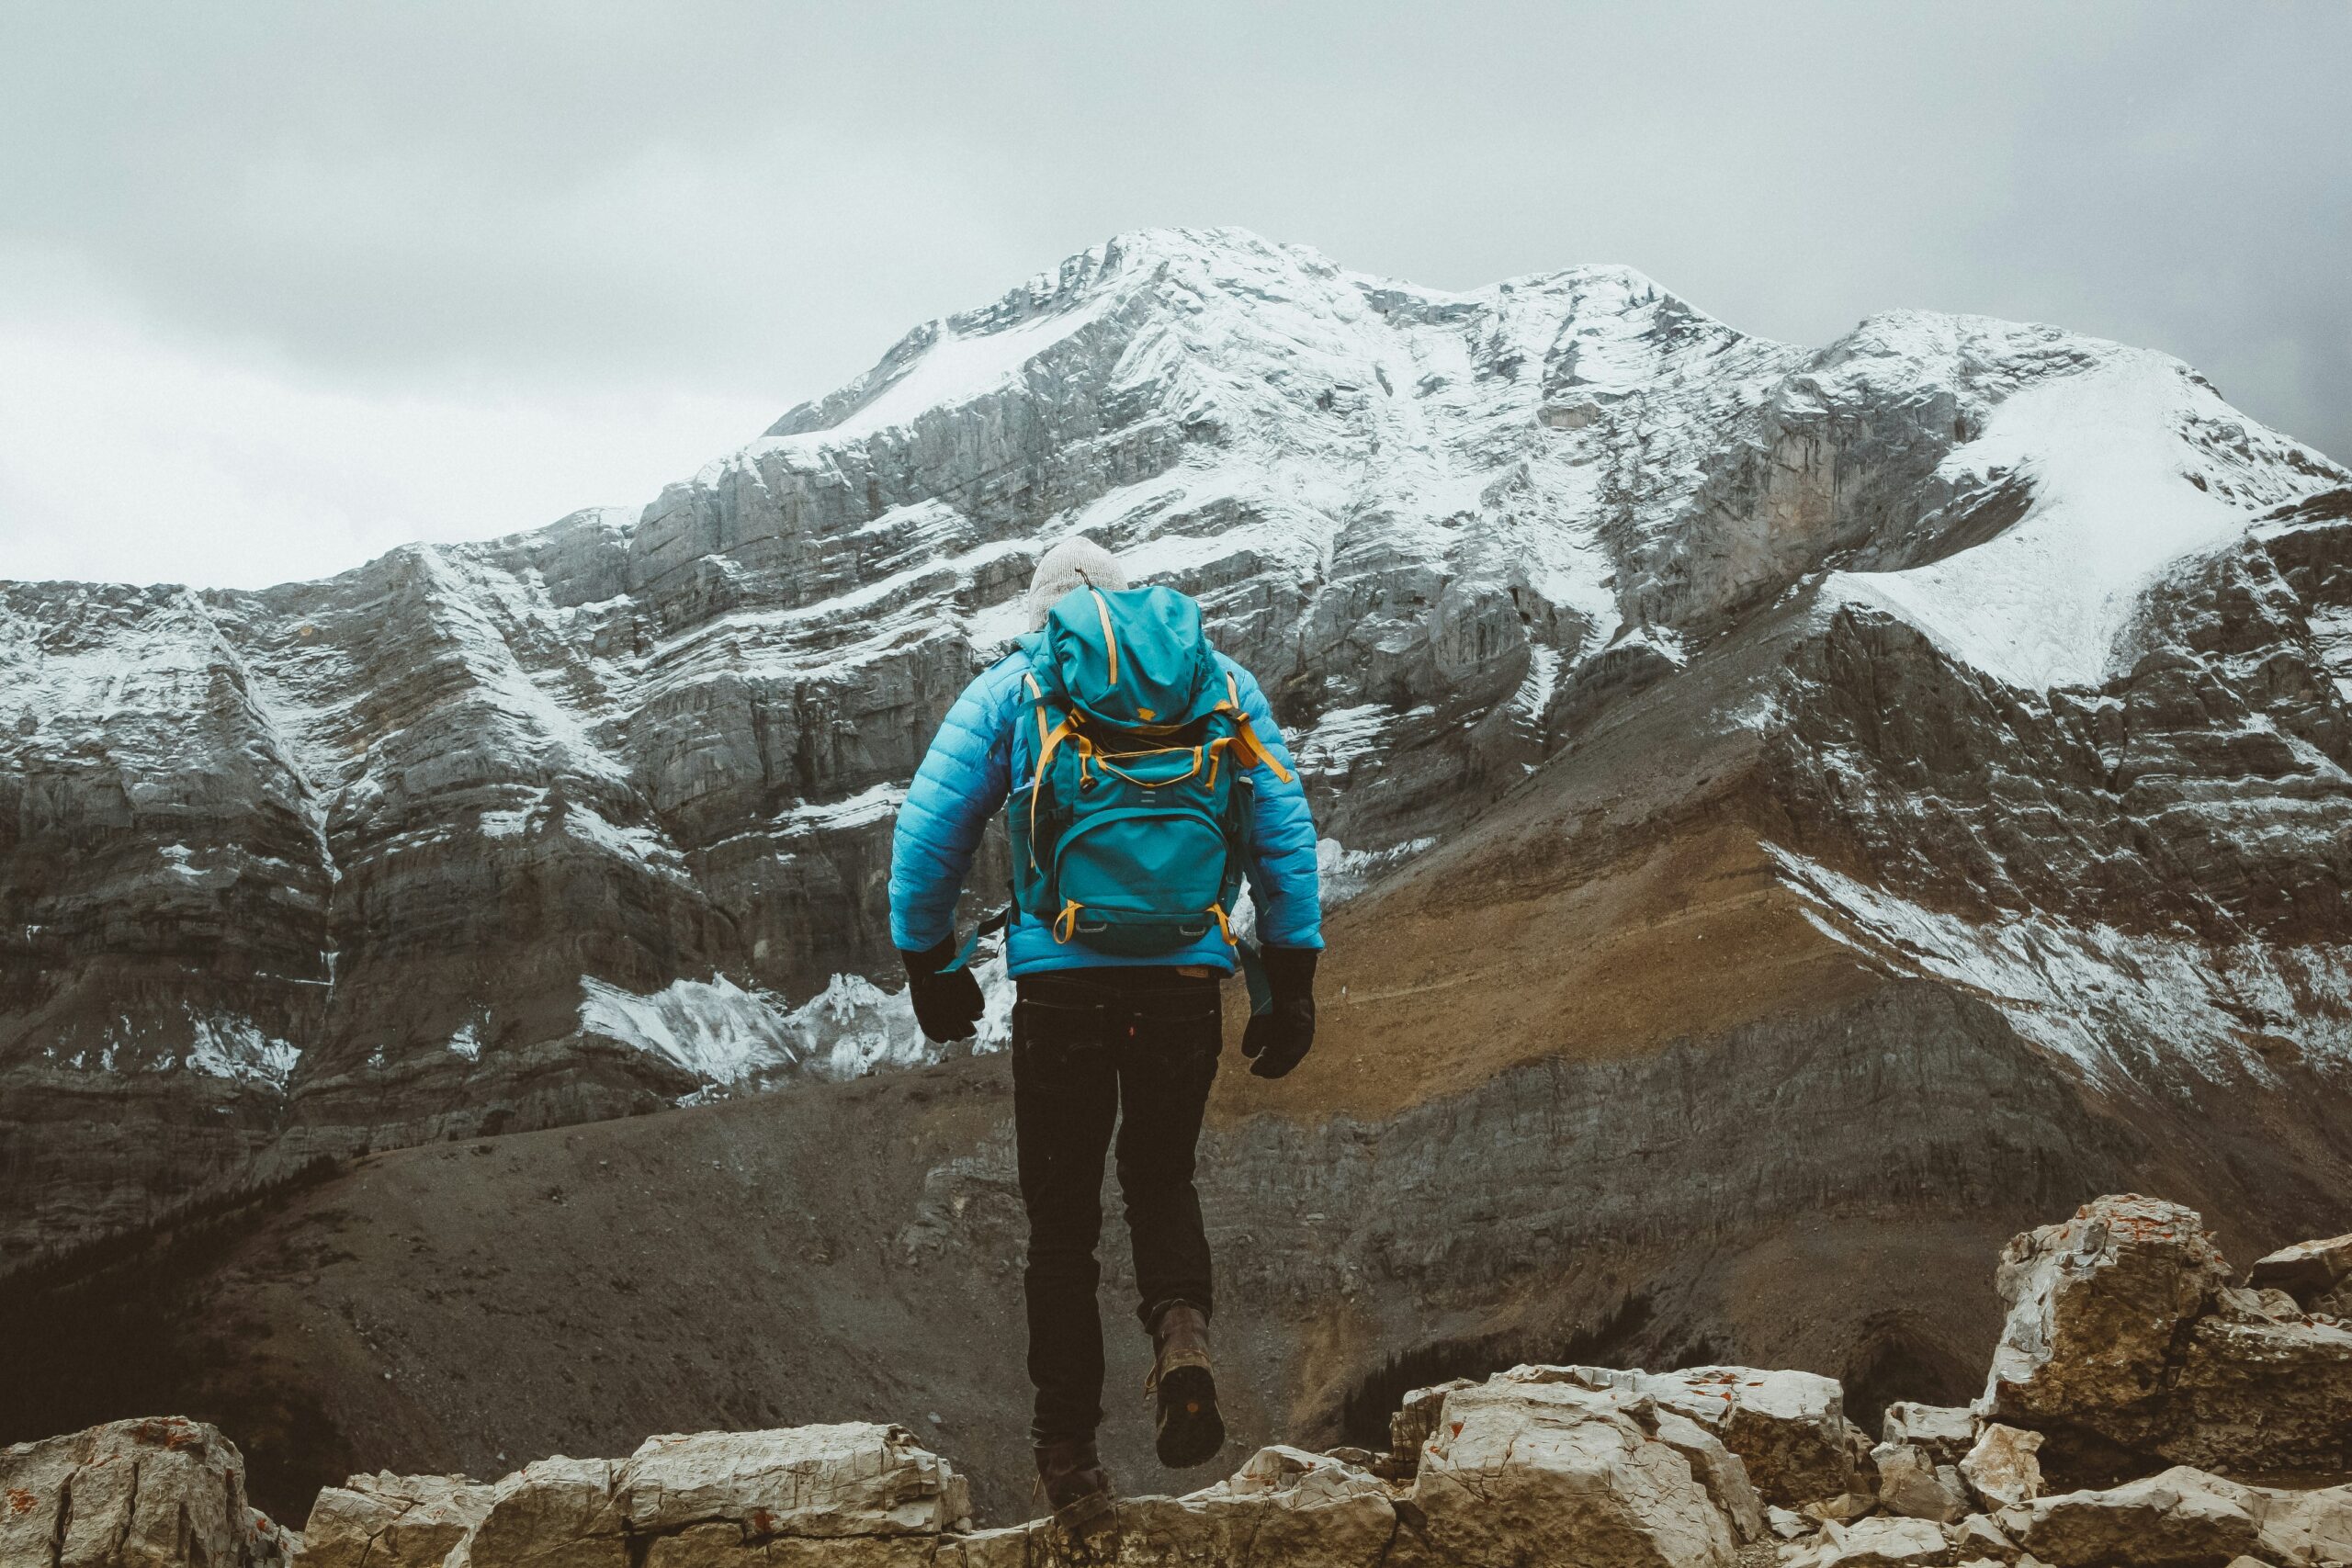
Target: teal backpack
(1132, 833)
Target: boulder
(2310, 1271)
(1723, 1473)
(1789, 1428)
(2002, 1470)
(2124, 1331)
(1979, 1539)
(1844, 1508)
(1878, 1542)
(1518, 1467)
(1415, 1419)
(2094, 1306)
(1286, 1507)
(2262, 1388)
(1911, 1484)
(726, 1497)
(1945, 1431)
(157, 1491)
(2186, 1517)
(391, 1521)
(552, 1513)
(852, 1479)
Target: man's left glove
(947, 1005)
(1277, 1039)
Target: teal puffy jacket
(986, 742)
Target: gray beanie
(1077, 562)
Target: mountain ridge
(589, 819)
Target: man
(1148, 780)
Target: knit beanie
(1077, 562)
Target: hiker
(1146, 780)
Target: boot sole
(1192, 1429)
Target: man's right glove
(947, 1005)
(1277, 1038)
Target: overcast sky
(284, 285)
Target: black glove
(1277, 1038)
(948, 1005)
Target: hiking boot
(1186, 1426)
(1071, 1476)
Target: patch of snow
(1665, 639)
(1342, 872)
(1759, 712)
(583, 822)
(958, 367)
(1534, 698)
(2116, 1006)
(714, 1028)
(853, 1027)
(466, 1042)
(2125, 482)
(1341, 735)
(235, 1048)
(735, 1039)
(876, 802)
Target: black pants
(1133, 1046)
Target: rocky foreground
(2145, 1408)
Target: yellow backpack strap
(1066, 923)
(1244, 733)
(1223, 928)
(1251, 743)
(1048, 739)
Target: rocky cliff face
(1987, 656)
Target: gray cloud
(519, 204)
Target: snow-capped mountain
(2035, 654)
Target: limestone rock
(1944, 1431)
(552, 1513)
(2309, 1270)
(1978, 1537)
(1911, 1484)
(1284, 1508)
(158, 1492)
(391, 1521)
(1843, 1508)
(2185, 1518)
(1723, 1473)
(1789, 1427)
(851, 1479)
(1416, 1419)
(2094, 1303)
(1521, 1464)
(2124, 1327)
(1875, 1543)
(724, 1496)
(2001, 1470)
